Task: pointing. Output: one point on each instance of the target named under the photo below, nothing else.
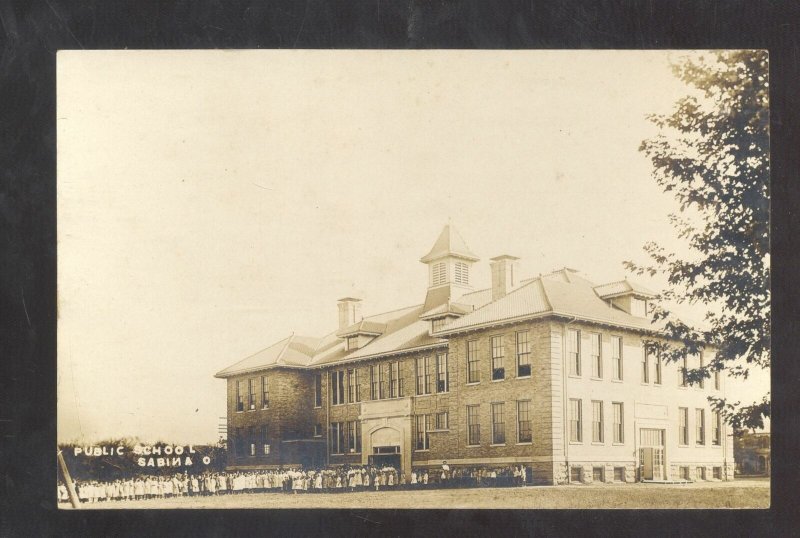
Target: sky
(210, 203)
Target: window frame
(498, 423)
(498, 357)
(251, 394)
(264, 392)
(575, 422)
(473, 363)
(616, 358)
(683, 426)
(596, 338)
(240, 386)
(574, 354)
(700, 426)
(422, 440)
(524, 424)
(598, 424)
(444, 384)
(473, 425)
(317, 390)
(523, 344)
(618, 410)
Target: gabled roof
(564, 293)
(449, 243)
(448, 308)
(365, 326)
(622, 287)
(293, 350)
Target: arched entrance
(386, 445)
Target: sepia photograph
(413, 279)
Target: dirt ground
(746, 493)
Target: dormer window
(352, 343)
(438, 324)
(638, 307)
(462, 273)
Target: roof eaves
(221, 375)
(350, 360)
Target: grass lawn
(748, 493)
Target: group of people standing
(292, 480)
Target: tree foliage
(712, 154)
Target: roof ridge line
(279, 360)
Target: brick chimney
(349, 311)
(503, 277)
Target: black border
(30, 35)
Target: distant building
(546, 372)
(752, 453)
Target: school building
(547, 372)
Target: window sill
(523, 377)
(422, 450)
(618, 444)
(682, 446)
(593, 378)
(473, 383)
(616, 381)
(576, 442)
(574, 376)
(498, 380)
(473, 446)
(525, 443)
(598, 443)
(497, 444)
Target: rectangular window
(317, 390)
(576, 474)
(337, 387)
(264, 441)
(683, 426)
(523, 355)
(575, 421)
(241, 442)
(703, 378)
(240, 392)
(717, 473)
(596, 340)
(716, 431)
(352, 343)
(358, 436)
(638, 307)
(524, 424)
(429, 375)
(264, 392)
(337, 441)
(645, 366)
(317, 430)
(421, 427)
(420, 375)
(351, 435)
(574, 351)
(395, 381)
(598, 474)
(619, 474)
(619, 422)
(473, 373)
(251, 393)
(700, 426)
(351, 387)
(498, 424)
(683, 381)
(251, 436)
(700, 473)
(442, 375)
(498, 356)
(716, 379)
(438, 324)
(442, 421)
(657, 363)
(357, 383)
(473, 425)
(597, 421)
(616, 357)
(373, 382)
(684, 470)
(383, 386)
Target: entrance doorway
(386, 456)
(651, 454)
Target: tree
(712, 154)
